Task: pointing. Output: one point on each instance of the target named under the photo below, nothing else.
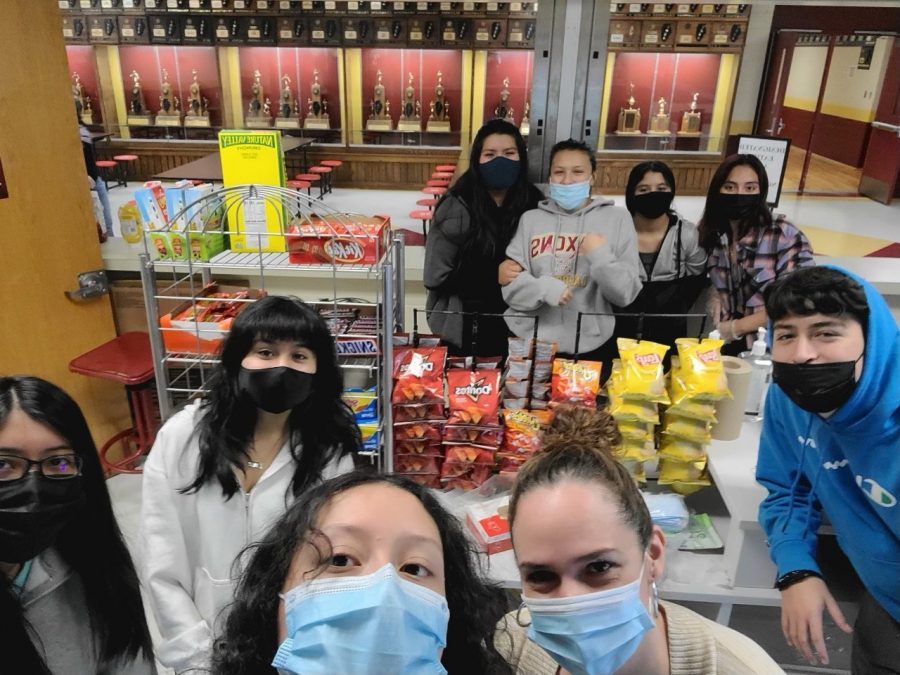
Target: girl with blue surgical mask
(591, 561)
(366, 574)
(576, 254)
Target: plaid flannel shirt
(763, 255)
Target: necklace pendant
(254, 465)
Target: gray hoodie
(546, 245)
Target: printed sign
(773, 153)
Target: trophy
(317, 106)
(525, 125)
(138, 115)
(169, 114)
(630, 117)
(411, 115)
(197, 113)
(438, 120)
(258, 110)
(659, 125)
(288, 110)
(82, 100)
(380, 117)
(503, 111)
(690, 120)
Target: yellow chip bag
(636, 450)
(680, 449)
(700, 373)
(672, 471)
(698, 410)
(687, 488)
(686, 427)
(635, 431)
(634, 411)
(642, 370)
(636, 469)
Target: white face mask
(594, 633)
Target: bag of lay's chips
(635, 411)
(700, 375)
(672, 471)
(642, 376)
(688, 428)
(681, 450)
(636, 431)
(636, 470)
(698, 410)
(685, 487)
(636, 451)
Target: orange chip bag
(524, 429)
(474, 397)
(419, 375)
(575, 382)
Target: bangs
(281, 319)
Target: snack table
(741, 575)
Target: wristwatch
(791, 578)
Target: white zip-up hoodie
(189, 542)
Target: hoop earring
(518, 617)
(654, 600)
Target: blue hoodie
(848, 465)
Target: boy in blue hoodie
(831, 442)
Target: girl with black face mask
(221, 471)
(748, 248)
(673, 264)
(69, 596)
(473, 224)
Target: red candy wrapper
(575, 382)
(474, 396)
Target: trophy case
(293, 89)
(410, 97)
(171, 91)
(507, 91)
(85, 85)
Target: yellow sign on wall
(254, 157)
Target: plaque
(138, 115)
(317, 106)
(630, 117)
(411, 114)
(659, 124)
(197, 113)
(82, 100)
(288, 116)
(690, 119)
(525, 125)
(169, 114)
(380, 116)
(259, 109)
(439, 109)
(503, 111)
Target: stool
(425, 217)
(447, 168)
(428, 203)
(438, 183)
(311, 178)
(434, 191)
(124, 162)
(300, 185)
(105, 164)
(333, 164)
(126, 359)
(325, 172)
(441, 175)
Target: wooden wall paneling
(692, 174)
(49, 232)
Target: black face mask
(500, 173)
(276, 390)
(816, 387)
(652, 204)
(740, 207)
(33, 511)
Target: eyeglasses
(58, 467)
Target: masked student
(590, 602)
(673, 264)
(748, 248)
(69, 595)
(831, 444)
(365, 574)
(473, 224)
(225, 468)
(571, 254)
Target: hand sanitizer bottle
(760, 360)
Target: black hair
(578, 445)
(715, 220)
(323, 425)
(637, 175)
(817, 290)
(250, 638)
(91, 544)
(572, 144)
(493, 228)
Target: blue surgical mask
(368, 625)
(570, 196)
(500, 173)
(591, 634)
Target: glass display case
(409, 97)
(507, 90)
(85, 86)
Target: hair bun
(577, 426)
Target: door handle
(780, 126)
(884, 126)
